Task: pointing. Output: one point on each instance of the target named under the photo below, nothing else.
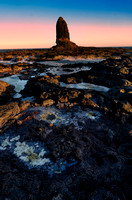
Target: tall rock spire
(63, 37)
(62, 31)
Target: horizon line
(78, 46)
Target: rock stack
(62, 32)
(63, 36)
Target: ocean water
(6, 50)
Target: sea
(7, 50)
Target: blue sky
(112, 11)
(32, 23)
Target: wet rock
(10, 68)
(42, 88)
(62, 99)
(127, 83)
(6, 92)
(49, 79)
(87, 101)
(66, 105)
(16, 68)
(48, 102)
(106, 73)
(71, 80)
(48, 88)
(73, 94)
(124, 70)
(4, 68)
(8, 112)
(24, 105)
(87, 96)
(127, 107)
(45, 95)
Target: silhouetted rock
(63, 36)
(62, 31)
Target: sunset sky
(32, 23)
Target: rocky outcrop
(62, 31)
(63, 37)
(8, 112)
(48, 102)
(11, 112)
(10, 68)
(6, 92)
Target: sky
(32, 23)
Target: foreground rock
(101, 167)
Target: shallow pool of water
(32, 98)
(65, 71)
(15, 81)
(85, 86)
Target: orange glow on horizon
(102, 35)
(43, 35)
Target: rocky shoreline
(66, 124)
